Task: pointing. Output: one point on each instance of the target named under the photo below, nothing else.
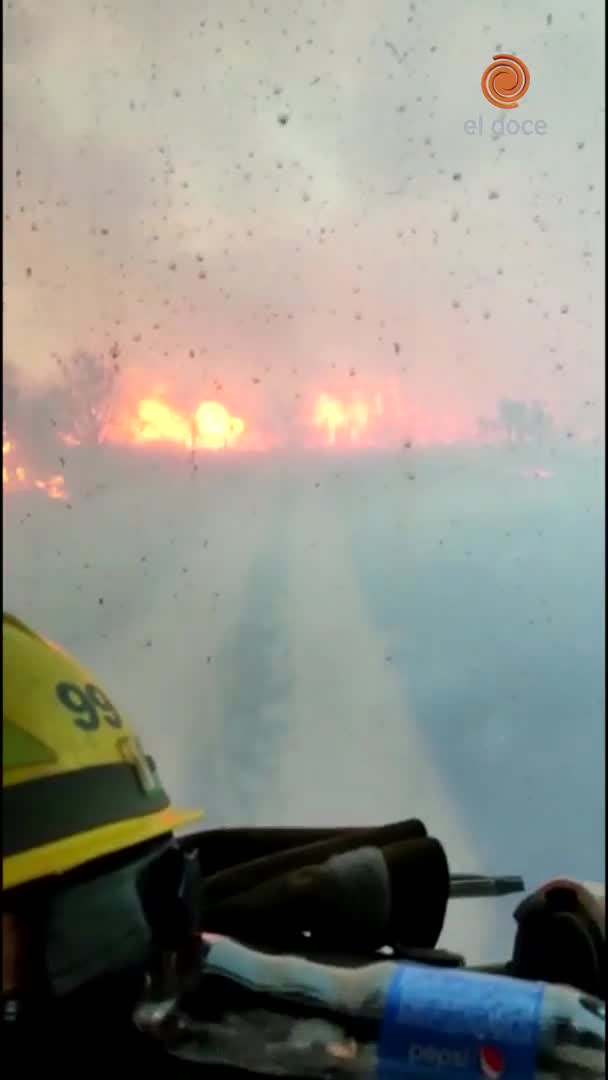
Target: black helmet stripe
(55, 807)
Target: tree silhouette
(523, 421)
(84, 401)
(539, 421)
(510, 414)
(26, 413)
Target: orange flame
(216, 427)
(13, 476)
(157, 422)
(69, 440)
(210, 427)
(54, 486)
(16, 477)
(350, 418)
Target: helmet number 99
(89, 705)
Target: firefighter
(92, 875)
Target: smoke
(226, 218)
(258, 203)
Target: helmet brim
(61, 856)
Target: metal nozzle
(478, 885)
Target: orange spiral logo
(505, 81)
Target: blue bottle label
(449, 1024)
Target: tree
(539, 421)
(523, 421)
(84, 400)
(28, 414)
(512, 415)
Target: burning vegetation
(210, 427)
(16, 476)
(94, 402)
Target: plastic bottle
(286, 1016)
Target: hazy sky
(263, 189)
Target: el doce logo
(505, 81)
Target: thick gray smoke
(256, 202)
